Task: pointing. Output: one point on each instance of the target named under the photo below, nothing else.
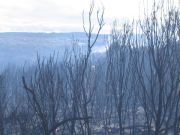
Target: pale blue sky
(63, 15)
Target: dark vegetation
(134, 90)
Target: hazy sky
(62, 15)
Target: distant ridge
(20, 47)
